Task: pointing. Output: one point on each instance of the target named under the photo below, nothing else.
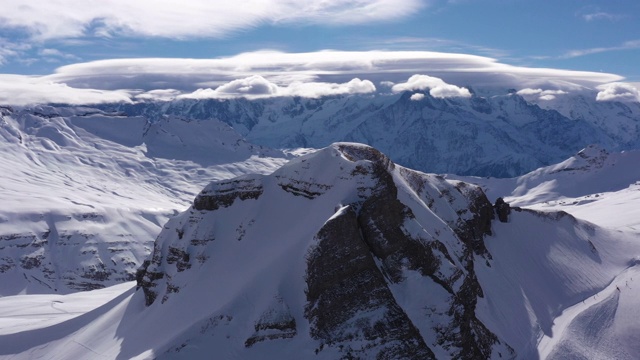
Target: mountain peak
(346, 229)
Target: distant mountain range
(498, 136)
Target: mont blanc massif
(496, 225)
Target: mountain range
(491, 135)
(342, 252)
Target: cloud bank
(58, 19)
(23, 90)
(323, 66)
(268, 73)
(256, 86)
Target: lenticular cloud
(324, 73)
(24, 90)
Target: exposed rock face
(592, 157)
(503, 209)
(386, 257)
(275, 323)
(353, 302)
(224, 193)
(71, 259)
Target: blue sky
(541, 33)
(38, 38)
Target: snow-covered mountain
(335, 251)
(341, 254)
(85, 192)
(499, 135)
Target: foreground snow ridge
(343, 254)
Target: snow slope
(604, 189)
(268, 267)
(86, 192)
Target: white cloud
(48, 52)
(187, 18)
(618, 92)
(10, 49)
(5, 54)
(539, 94)
(258, 87)
(254, 85)
(319, 89)
(323, 66)
(627, 45)
(24, 90)
(417, 97)
(314, 74)
(387, 84)
(601, 16)
(438, 88)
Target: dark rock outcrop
(502, 209)
(343, 284)
(275, 323)
(224, 193)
